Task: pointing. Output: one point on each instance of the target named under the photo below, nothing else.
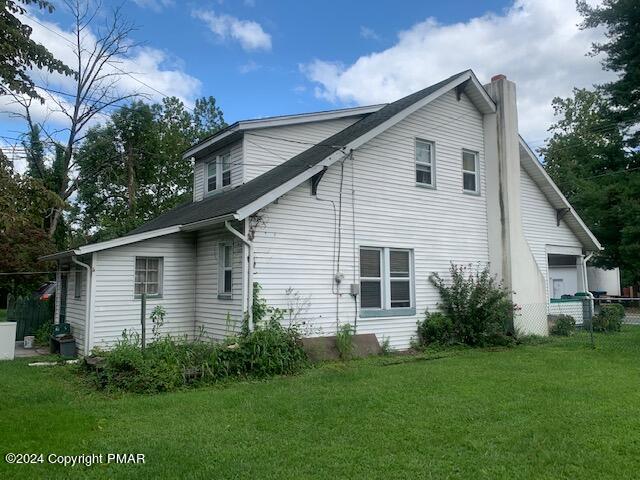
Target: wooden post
(143, 315)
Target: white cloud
(368, 33)
(155, 5)
(248, 67)
(536, 43)
(248, 33)
(155, 68)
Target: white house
(341, 216)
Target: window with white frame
(386, 281)
(148, 276)
(77, 287)
(218, 172)
(212, 175)
(425, 162)
(470, 171)
(225, 269)
(225, 162)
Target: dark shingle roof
(231, 201)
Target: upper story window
(470, 178)
(148, 276)
(218, 172)
(386, 282)
(225, 161)
(425, 163)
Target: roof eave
(588, 239)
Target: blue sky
(261, 58)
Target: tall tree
(97, 88)
(146, 174)
(586, 158)
(620, 19)
(19, 54)
(24, 203)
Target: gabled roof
(244, 200)
(530, 163)
(234, 132)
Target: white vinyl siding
(470, 181)
(425, 163)
(294, 242)
(266, 148)
(218, 316)
(116, 307)
(540, 225)
(76, 306)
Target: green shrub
(436, 328)
(167, 363)
(43, 333)
(344, 340)
(609, 319)
(478, 308)
(565, 325)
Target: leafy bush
(476, 310)
(609, 319)
(565, 325)
(436, 328)
(344, 340)
(168, 363)
(43, 333)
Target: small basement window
(425, 174)
(148, 276)
(386, 282)
(225, 269)
(470, 181)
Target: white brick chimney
(509, 253)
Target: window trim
(385, 271)
(374, 279)
(160, 276)
(218, 161)
(417, 140)
(476, 173)
(222, 269)
(77, 285)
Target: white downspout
(87, 319)
(585, 280)
(249, 245)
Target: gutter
(87, 314)
(249, 245)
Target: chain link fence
(539, 319)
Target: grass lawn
(558, 410)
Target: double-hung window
(218, 172)
(470, 169)
(77, 286)
(425, 163)
(225, 269)
(148, 276)
(225, 162)
(386, 282)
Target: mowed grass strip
(556, 410)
